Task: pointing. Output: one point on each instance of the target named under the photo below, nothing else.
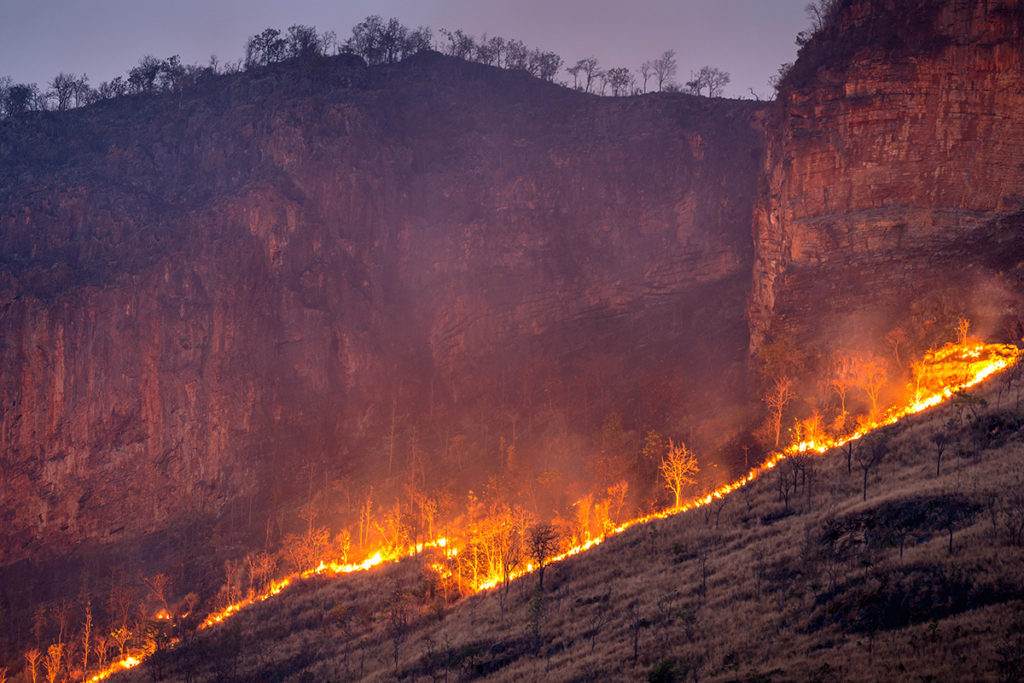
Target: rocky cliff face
(893, 184)
(206, 294)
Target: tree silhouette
(664, 68)
(678, 467)
(709, 81)
(542, 542)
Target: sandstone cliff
(893, 189)
(208, 297)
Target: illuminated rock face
(205, 295)
(893, 174)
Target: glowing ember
(129, 662)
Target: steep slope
(918, 575)
(893, 193)
(212, 298)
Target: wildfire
(937, 378)
(129, 662)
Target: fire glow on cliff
(938, 377)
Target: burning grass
(918, 574)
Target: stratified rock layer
(208, 296)
(893, 185)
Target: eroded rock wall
(893, 182)
(205, 292)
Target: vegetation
(376, 41)
(917, 576)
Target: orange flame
(939, 376)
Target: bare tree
(678, 467)
(64, 86)
(709, 81)
(489, 50)
(665, 68)
(542, 542)
(52, 663)
(517, 55)
(780, 396)
(942, 439)
(575, 71)
(871, 378)
(589, 68)
(544, 65)
(870, 454)
(32, 660)
(646, 70)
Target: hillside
(319, 309)
(794, 577)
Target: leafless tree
(942, 438)
(780, 396)
(460, 44)
(664, 68)
(64, 86)
(517, 55)
(542, 542)
(32, 660)
(646, 70)
(589, 68)
(678, 467)
(709, 81)
(489, 50)
(869, 455)
(544, 65)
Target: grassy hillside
(800, 576)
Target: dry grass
(818, 592)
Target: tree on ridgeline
(460, 44)
(142, 78)
(489, 50)
(646, 70)
(63, 86)
(589, 68)
(544, 65)
(664, 68)
(303, 42)
(516, 55)
(19, 98)
(678, 467)
(620, 80)
(708, 81)
(380, 42)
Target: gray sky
(105, 38)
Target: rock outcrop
(207, 296)
(893, 188)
